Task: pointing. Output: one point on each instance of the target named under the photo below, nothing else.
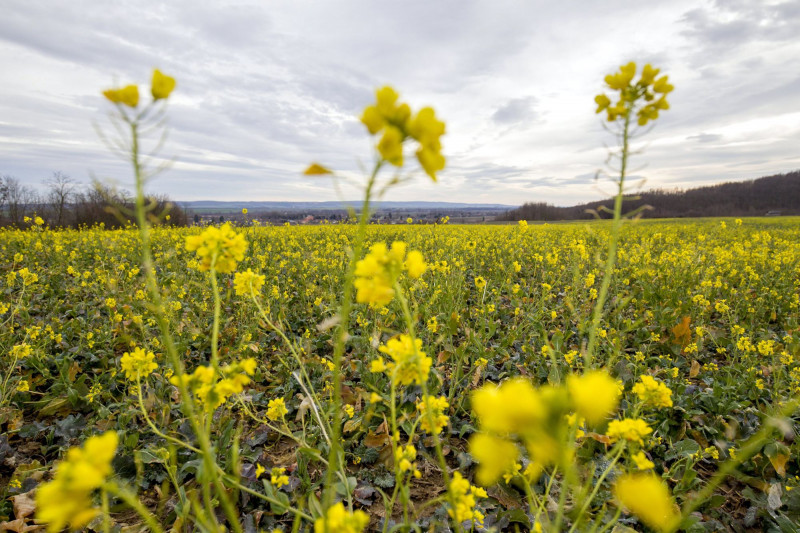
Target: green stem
(335, 459)
(132, 501)
(437, 444)
(587, 502)
(748, 449)
(612, 247)
(153, 426)
(187, 405)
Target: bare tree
(61, 189)
(18, 199)
(3, 193)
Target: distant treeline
(66, 204)
(773, 195)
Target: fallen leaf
(682, 333)
(598, 437)
(779, 463)
(24, 505)
(774, 496)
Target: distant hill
(335, 206)
(779, 194)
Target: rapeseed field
(614, 375)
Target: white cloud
(266, 88)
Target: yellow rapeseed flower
(128, 95)
(221, 247)
(278, 477)
(398, 125)
(409, 363)
(594, 395)
(653, 393)
(495, 456)
(66, 500)
(647, 497)
(513, 407)
(162, 85)
(338, 520)
(378, 271)
(315, 169)
(276, 409)
(642, 462)
(244, 282)
(432, 408)
(466, 497)
(629, 429)
(138, 364)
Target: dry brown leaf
(695, 370)
(477, 376)
(598, 437)
(682, 333)
(73, 371)
(779, 463)
(24, 505)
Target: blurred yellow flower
(397, 124)
(315, 169)
(594, 395)
(244, 282)
(162, 85)
(647, 497)
(66, 500)
(128, 95)
(338, 520)
(629, 429)
(513, 407)
(495, 456)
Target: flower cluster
(653, 91)
(409, 363)
(377, 273)
(220, 248)
(20, 351)
(161, 87)
(67, 499)
(465, 498)
(433, 408)
(244, 282)
(138, 364)
(278, 477)
(398, 125)
(649, 498)
(594, 395)
(653, 393)
(337, 519)
(404, 457)
(212, 392)
(538, 418)
(276, 409)
(629, 429)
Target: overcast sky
(266, 87)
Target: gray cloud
(705, 137)
(516, 111)
(264, 89)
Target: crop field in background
(708, 307)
